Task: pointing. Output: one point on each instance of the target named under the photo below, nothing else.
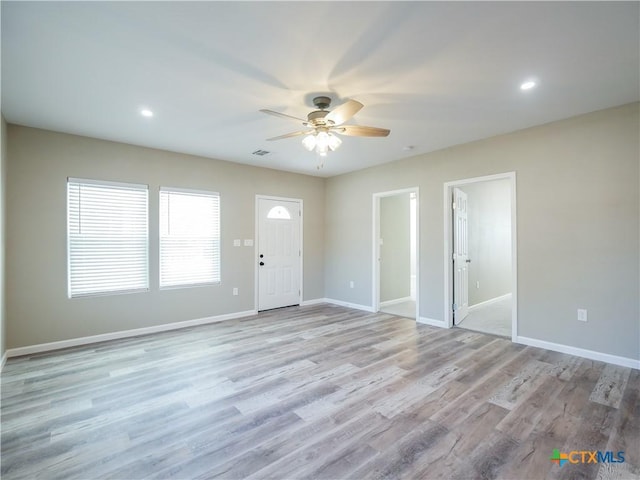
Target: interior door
(460, 256)
(279, 254)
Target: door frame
(256, 244)
(448, 246)
(375, 287)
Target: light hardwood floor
(319, 392)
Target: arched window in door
(279, 213)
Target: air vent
(261, 153)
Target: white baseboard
(489, 302)
(580, 352)
(395, 301)
(74, 342)
(366, 308)
(315, 301)
(3, 361)
(433, 322)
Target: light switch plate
(248, 242)
(582, 314)
(236, 242)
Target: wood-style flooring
(318, 392)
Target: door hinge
(453, 206)
(454, 307)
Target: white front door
(279, 254)
(460, 256)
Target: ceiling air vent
(261, 153)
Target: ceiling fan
(322, 124)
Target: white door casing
(460, 256)
(279, 254)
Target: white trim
(256, 246)
(3, 361)
(489, 302)
(581, 352)
(433, 322)
(375, 256)
(395, 301)
(340, 303)
(448, 252)
(74, 342)
(314, 301)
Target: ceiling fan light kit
(322, 142)
(323, 124)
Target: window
(108, 237)
(189, 237)
(279, 213)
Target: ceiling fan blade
(344, 112)
(292, 134)
(360, 131)
(283, 115)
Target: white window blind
(189, 237)
(108, 237)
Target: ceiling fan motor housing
(317, 117)
(322, 102)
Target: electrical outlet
(351, 284)
(582, 314)
(235, 291)
(478, 284)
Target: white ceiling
(436, 73)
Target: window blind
(189, 237)
(108, 237)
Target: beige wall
(3, 170)
(395, 253)
(38, 310)
(578, 226)
(489, 221)
(3, 190)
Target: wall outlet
(351, 284)
(478, 284)
(582, 314)
(248, 242)
(235, 291)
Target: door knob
(468, 260)
(261, 264)
(261, 255)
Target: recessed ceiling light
(146, 112)
(528, 85)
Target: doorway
(480, 254)
(278, 252)
(395, 253)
